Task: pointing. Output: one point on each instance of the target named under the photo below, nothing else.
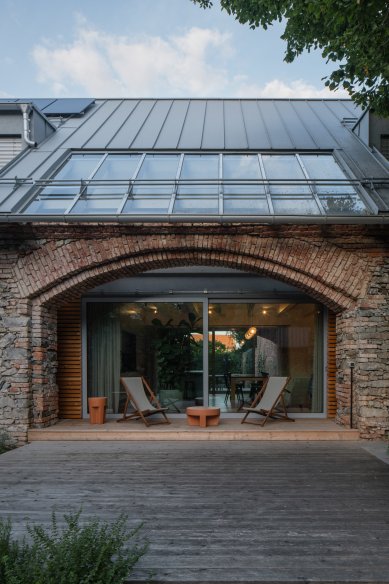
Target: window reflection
(99, 205)
(201, 168)
(343, 205)
(199, 205)
(237, 167)
(157, 167)
(201, 187)
(295, 206)
(80, 166)
(284, 167)
(48, 206)
(244, 205)
(115, 167)
(150, 206)
(325, 168)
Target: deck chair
(270, 402)
(135, 388)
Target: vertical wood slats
(69, 360)
(331, 365)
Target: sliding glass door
(246, 342)
(162, 341)
(249, 341)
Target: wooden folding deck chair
(270, 401)
(135, 388)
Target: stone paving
(219, 512)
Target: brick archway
(305, 264)
(344, 271)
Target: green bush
(6, 443)
(95, 552)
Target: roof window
(198, 184)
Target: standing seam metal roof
(201, 125)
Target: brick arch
(60, 271)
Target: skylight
(198, 184)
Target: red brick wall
(345, 267)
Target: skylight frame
(359, 192)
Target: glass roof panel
(343, 205)
(200, 167)
(246, 206)
(284, 167)
(50, 206)
(326, 168)
(79, 166)
(119, 167)
(157, 167)
(151, 205)
(242, 167)
(295, 206)
(197, 206)
(311, 184)
(100, 205)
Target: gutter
(221, 219)
(26, 110)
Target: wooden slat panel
(69, 360)
(331, 365)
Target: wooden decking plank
(219, 512)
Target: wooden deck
(229, 429)
(219, 512)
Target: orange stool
(203, 416)
(97, 406)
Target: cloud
(277, 88)
(191, 64)
(106, 65)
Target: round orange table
(203, 416)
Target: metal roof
(56, 107)
(202, 125)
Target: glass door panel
(248, 341)
(161, 341)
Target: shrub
(6, 442)
(96, 552)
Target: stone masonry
(43, 266)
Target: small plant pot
(97, 407)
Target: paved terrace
(214, 511)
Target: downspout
(26, 109)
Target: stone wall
(15, 353)
(345, 267)
(363, 339)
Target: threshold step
(60, 435)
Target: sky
(145, 48)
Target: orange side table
(203, 416)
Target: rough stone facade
(43, 266)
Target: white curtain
(104, 345)
(317, 377)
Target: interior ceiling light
(250, 333)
